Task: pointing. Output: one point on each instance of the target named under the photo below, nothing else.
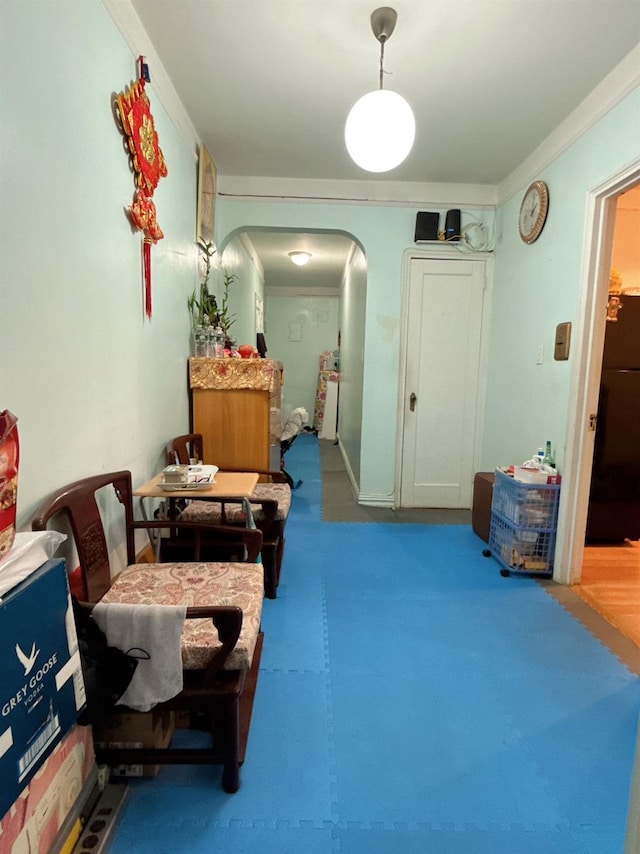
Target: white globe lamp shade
(380, 130)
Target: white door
(443, 338)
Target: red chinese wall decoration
(133, 111)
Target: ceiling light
(300, 258)
(380, 128)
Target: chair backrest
(186, 448)
(78, 502)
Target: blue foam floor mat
(410, 701)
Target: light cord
(484, 244)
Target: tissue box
(175, 474)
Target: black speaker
(426, 226)
(452, 225)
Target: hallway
(410, 700)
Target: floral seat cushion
(211, 511)
(188, 584)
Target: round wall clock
(533, 211)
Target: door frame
(587, 368)
(440, 253)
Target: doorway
(610, 578)
(306, 309)
(442, 358)
(585, 386)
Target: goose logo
(27, 661)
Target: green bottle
(548, 459)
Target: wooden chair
(221, 643)
(271, 501)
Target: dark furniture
(614, 497)
(221, 643)
(481, 510)
(270, 501)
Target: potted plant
(203, 307)
(225, 318)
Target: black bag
(107, 671)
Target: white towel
(152, 634)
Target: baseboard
(362, 497)
(352, 480)
(376, 501)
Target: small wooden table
(227, 484)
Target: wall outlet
(539, 354)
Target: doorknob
(412, 401)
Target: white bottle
(539, 456)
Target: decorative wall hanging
(207, 179)
(133, 112)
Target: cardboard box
(150, 729)
(34, 820)
(41, 684)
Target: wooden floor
(610, 584)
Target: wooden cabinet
(236, 407)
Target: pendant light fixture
(380, 128)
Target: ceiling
(268, 84)
(320, 277)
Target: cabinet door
(234, 425)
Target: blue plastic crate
(524, 518)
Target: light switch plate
(563, 341)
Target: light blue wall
(316, 319)
(95, 386)
(384, 233)
(536, 287)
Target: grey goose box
(40, 675)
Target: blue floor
(410, 701)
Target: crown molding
(137, 40)
(390, 193)
(610, 92)
(613, 89)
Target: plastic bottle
(219, 345)
(208, 339)
(539, 456)
(200, 342)
(549, 459)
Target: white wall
(94, 384)
(297, 330)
